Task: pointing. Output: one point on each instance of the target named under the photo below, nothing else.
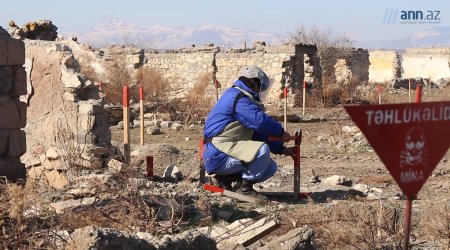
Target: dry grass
(435, 223)
(328, 95)
(156, 87)
(25, 220)
(118, 76)
(354, 226)
(90, 73)
(199, 100)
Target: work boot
(226, 181)
(246, 188)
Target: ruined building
(12, 111)
(288, 64)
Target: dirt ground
(323, 159)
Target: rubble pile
(40, 30)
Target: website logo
(395, 16)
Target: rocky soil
(351, 200)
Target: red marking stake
(304, 97)
(149, 166)
(380, 90)
(126, 124)
(285, 93)
(141, 109)
(418, 93)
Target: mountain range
(116, 31)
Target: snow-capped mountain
(116, 31)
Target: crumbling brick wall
(12, 111)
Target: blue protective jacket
(248, 114)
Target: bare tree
(321, 38)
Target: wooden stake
(285, 108)
(126, 125)
(298, 140)
(216, 84)
(141, 109)
(409, 89)
(304, 97)
(201, 143)
(379, 93)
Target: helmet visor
(266, 84)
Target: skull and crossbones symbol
(415, 152)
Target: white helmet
(255, 72)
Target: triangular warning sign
(410, 138)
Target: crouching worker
(237, 149)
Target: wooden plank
(256, 234)
(249, 234)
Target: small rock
(62, 206)
(350, 129)
(52, 154)
(157, 123)
(314, 179)
(88, 201)
(153, 130)
(338, 180)
(56, 179)
(361, 187)
(120, 125)
(166, 124)
(172, 172)
(224, 215)
(187, 139)
(358, 136)
(71, 97)
(34, 161)
(176, 126)
(115, 165)
(373, 196)
(36, 172)
(322, 138)
(376, 190)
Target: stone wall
(384, 66)
(12, 111)
(283, 63)
(67, 124)
(433, 63)
(183, 69)
(352, 65)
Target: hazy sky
(360, 19)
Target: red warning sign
(410, 138)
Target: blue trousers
(259, 170)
